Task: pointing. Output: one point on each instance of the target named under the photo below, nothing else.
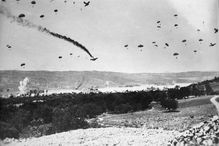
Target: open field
(190, 112)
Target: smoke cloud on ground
(23, 86)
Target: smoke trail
(29, 24)
(66, 39)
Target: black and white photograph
(109, 73)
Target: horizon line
(108, 71)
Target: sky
(104, 27)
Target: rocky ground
(111, 136)
(205, 133)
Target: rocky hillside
(100, 137)
(205, 133)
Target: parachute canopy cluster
(156, 43)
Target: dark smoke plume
(43, 29)
(29, 24)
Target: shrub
(43, 112)
(7, 130)
(67, 119)
(123, 108)
(60, 120)
(170, 104)
(36, 131)
(20, 119)
(89, 110)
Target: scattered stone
(205, 133)
(100, 136)
(215, 118)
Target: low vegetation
(186, 115)
(42, 115)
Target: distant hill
(9, 80)
(211, 85)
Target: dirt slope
(98, 137)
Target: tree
(208, 89)
(89, 110)
(123, 108)
(173, 93)
(7, 130)
(65, 119)
(185, 91)
(20, 119)
(169, 104)
(43, 112)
